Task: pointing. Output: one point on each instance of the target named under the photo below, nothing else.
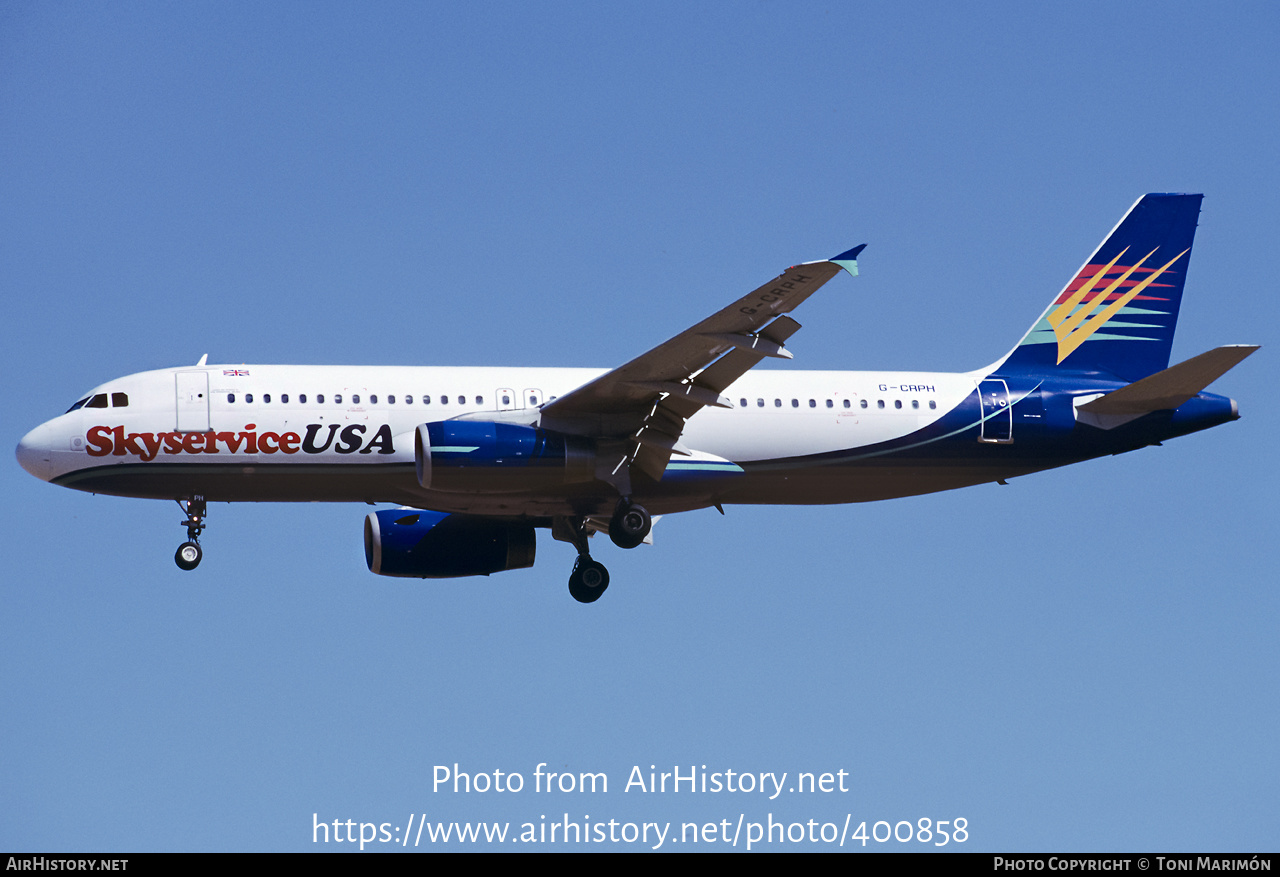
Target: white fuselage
(326, 420)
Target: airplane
(476, 459)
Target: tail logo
(1083, 312)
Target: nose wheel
(188, 555)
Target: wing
(645, 403)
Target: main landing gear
(188, 554)
(628, 527)
(589, 578)
(630, 524)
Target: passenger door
(193, 401)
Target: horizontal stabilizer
(1170, 388)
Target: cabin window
(426, 400)
(813, 404)
(391, 399)
(915, 403)
(933, 404)
(266, 397)
(248, 397)
(373, 399)
(831, 404)
(337, 398)
(444, 400)
(408, 400)
(462, 400)
(319, 398)
(759, 403)
(231, 397)
(897, 403)
(119, 400)
(879, 403)
(284, 398)
(864, 403)
(846, 403)
(355, 398)
(480, 400)
(777, 403)
(506, 400)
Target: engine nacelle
(437, 545)
(468, 456)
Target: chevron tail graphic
(1078, 318)
(1118, 313)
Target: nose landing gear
(188, 555)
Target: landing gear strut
(628, 527)
(589, 578)
(630, 524)
(188, 554)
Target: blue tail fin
(1118, 313)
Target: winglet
(848, 260)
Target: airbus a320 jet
(479, 458)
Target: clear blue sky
(1083, 660)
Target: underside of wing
(644, 404)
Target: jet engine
(437, 545)
(463, 456)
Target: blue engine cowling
(485, 457)
(437, 545)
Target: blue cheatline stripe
(706, 467)
(845, 457)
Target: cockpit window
(98, 401)
(79, 404)
(119, 400)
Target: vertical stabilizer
(1118, 313)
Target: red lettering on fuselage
(231, 440)
(99, 439)
(152, 441)
(102, 441)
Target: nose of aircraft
(34, 451)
